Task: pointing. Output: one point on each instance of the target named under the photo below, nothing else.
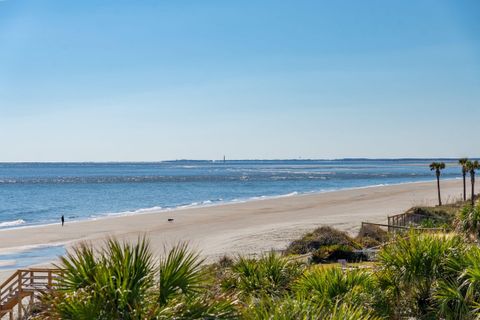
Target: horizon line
(237, 160)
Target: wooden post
(32, 296)
(19, 295)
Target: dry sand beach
(247, 228)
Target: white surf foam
(12, 223)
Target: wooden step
(13, 300)
(3, 312)
(25, 283)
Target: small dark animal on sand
(170, 219)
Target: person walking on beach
(63, 220)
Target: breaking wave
(12, 223)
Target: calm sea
(39, 193)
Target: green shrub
(301, 308)
(368, 242)
(120, 282)
(458, 296)
(331, 285)
(201, 306)
(272, 274)
(372, 232)
(334, 252)
(113, 283)
(411, 266)
(180, 272)
(468, 221)
(323, 236)
(437, 217)
(225, 262)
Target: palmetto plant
(468, 221)
(463, 163)
(271, 275)
(80, 267)
(412, 266)
(458, 297)
(113, 283)
(437, 167)
(180, 273)
(300, 308)
(122, 281)
(472, 166)
(331, 284)
(199, 306)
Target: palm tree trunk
(438, 189)
(472, 178)
(464, 187)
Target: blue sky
(152, 80)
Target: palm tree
(471, 167)
(437, 166)
(463, 163)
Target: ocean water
(39, 193)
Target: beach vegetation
(114, 282)
(272, 274)
(321, 237)
(180, 273)
(301, 308)
(370, 236)
(437, 217)
(123, 281)
(337, 252)
(333, 285)
(468, 221)
(458, 296)
(415, 275)
(411, 267)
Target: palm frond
(180, 272)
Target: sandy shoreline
(242, 228)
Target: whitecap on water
(12, 223)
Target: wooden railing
(19, 292)
(394, 228)
(406, 219)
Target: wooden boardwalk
(21, 290)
